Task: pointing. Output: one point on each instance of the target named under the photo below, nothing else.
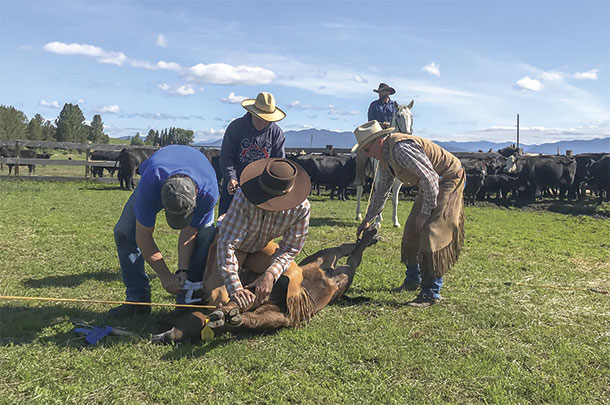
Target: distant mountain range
(319, 138)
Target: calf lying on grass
(322, 284)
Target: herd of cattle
(503, 175)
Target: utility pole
(517, 131)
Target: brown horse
(323, 282)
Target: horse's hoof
(396, 225)
(233, 317)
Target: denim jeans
(430, 285)
(136, 281)
(224, 200)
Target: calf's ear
(410, 105)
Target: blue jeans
(225, 199)
(430, 285)
(137, 284)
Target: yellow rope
(154, 304)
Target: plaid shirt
(412, 157)
(249, 228)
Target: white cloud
(433, 68)
(590, 75)
(109, 109)
(296, 104)
(161, 41)
(221, 73)
(233, 99)
(360, 79)
(49, 104)
(551, 76)
(527, 83)
(161, 65)
(102, 56)
(180, 90)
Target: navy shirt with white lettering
(380, 111)
(167, 161)
(243, 144)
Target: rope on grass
(555, 287)
(153, 304)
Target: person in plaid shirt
(434, 232)
(271, 202)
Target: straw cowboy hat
(264, 107)
(275, 184)
(367, 133)
(384, 87)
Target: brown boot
(406, 286)
(423, 301)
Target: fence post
(87, 166)
(16, 158)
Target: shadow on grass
(72, 280)
(325, 221)
(23, 324)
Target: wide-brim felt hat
(367, 133)
(384, 87)
(275, 184)
(264, 107)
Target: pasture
(487, 342)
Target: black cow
(129, 163)
(335, 172)
(475, 177)
(23, 153)
(583, 160)
(500, 184)
(536, 173)
(103, 155)
(598, 176)
(213, 156)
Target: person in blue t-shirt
(180, 180)
(247, 139)
(382, 109)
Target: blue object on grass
(92, 336)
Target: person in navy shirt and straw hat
(247, 139)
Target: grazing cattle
(23, 153)
(536, 173)
(583, 160)
(475, 177)
(598, 176)
(500, 184)
(213, 156)
(43, 156)
(335, 172)
(129, 162)
(322, 284)
(103, 155)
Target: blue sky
(470, 66)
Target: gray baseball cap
(179, 197)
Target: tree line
(70, 126)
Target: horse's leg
(358, 198)
(395, 191)
(265, 318)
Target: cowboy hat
(179, 198)
(264, 107)
(384, 87)
(275, 184)
(367, 133)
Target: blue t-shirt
(243, 144)
(380, 111)
(167, 161)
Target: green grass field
(486, 343)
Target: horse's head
(402, 119)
